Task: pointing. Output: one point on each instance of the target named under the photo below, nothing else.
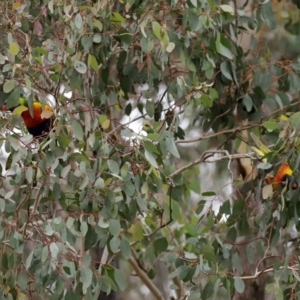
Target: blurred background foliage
(147, 185)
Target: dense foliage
(143, 93)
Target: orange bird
(40, 122)
(283, 177)
(284, 174)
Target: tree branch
(203, 158)
(212, 135)
(251, 277)
(145, 279)
(38, 197)
(104, 259)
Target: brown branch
(204, 156)
(145, 279)
(212, 135)
(251, 277)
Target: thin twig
(38, 197)
(250, 277)
(204, 156)
(104, 259)
(212, 135)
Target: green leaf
(221, 49)
(295, 119)
(63, 141)
(264, 166)
(29, 260)
(78, 21)
(194, 2)
(19, 110)
(267, 15)
(151, 158)
(182, 272)
(225, 69)
(207, 291)
(103, 222)
(216, 288)
(97, 38)
(243, 225)
(232, 234)
(14, 48)
(14, 98)
(8, 86)
(248, 102)
(83, 226)
(227, 8)
(128, 109)
(157, 30)
(8, 196)
(117, 18)
(225, 208)
(125, 248)
(97, 24)
(99, 183)
(208, 194)
(114, 227)
(86, 260)
(45, 253)
(104, 121)
(279, 294)
(149, 146)
(270, 288)
(113, 166)
(80, 66)
(114, 244)
(120, 279)
(137, 231)
(86, 276)
(126, 38)
(250, 252)
(23, 280)
(271, 125)
(237, 262)
(200, 206)
(160, 245)
(29, 174)
(129, 189)
(170, 47)
(142, 203)
(239, 285)
(147, 44)
(54, 250)
(72, 296)
(92, 62)
(77, 130)
(172, 147)
(150, 108)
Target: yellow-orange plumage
(40, 121)
(283, 174)
(37, 119)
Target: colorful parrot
(283, 177)
(40, 122)
(284, 174)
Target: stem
(203, 158)
(145, 279)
